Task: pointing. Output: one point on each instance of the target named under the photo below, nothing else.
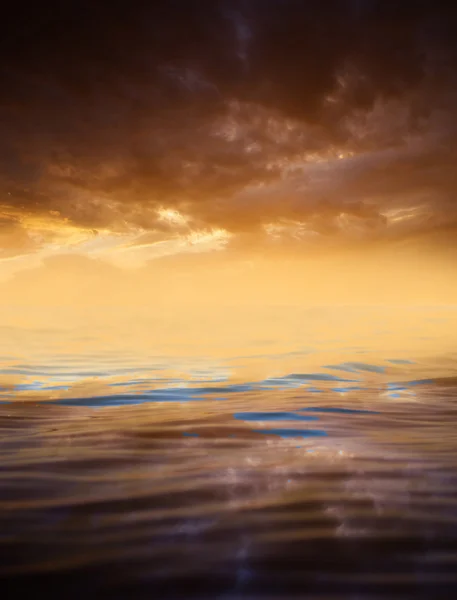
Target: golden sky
(306, 147)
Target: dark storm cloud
(110, 110)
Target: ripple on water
(287, 482)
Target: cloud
(310, 120)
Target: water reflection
(127, 471)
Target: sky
(252, 150)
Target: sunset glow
(228, 299)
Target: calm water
(289, 454)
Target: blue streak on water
(353, 367)
(292, 433)
(22, 387)
(404, 385)
(317, 377)
(190, 434)
(157, 395)
(295, 380)
(344, 411)
(272, 383)
(340, 368)
(344, 390)
(398, 361)
(395, 386)
(133, 382)
(272, 416)
(234, 388)
(131, 399)
(55, 387)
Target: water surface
(294, 453)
